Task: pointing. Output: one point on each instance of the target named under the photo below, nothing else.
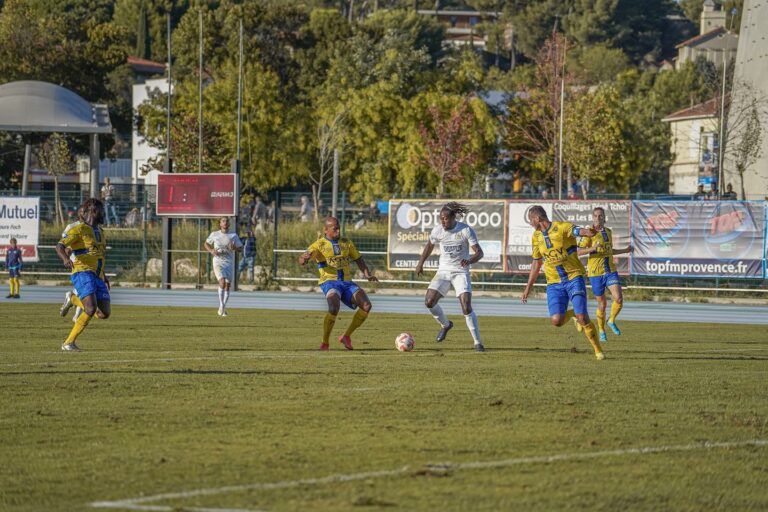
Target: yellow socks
(357, 321)
(76, 301)
(18, 285)
(615, 308)
(14, 285)
(591, 333)
(601, 320)
(77, 329)
(328, 323)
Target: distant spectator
(374, 215)
(249, 255)
(729, 194)
(133, 219)
(107, 197)
(271, 210)
(517, 184)
(258, 214)
(700, 194)
(305, 211)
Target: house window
(472, 21)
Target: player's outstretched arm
(580, 231)
(626, 250)
(304, 258)
(428, 248)
(535, 269)
(366, 272)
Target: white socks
(439, 315)
(226, 296)
(474, 330)
(221, 297)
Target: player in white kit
(455, 239)
(222, 245)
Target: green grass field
(173, 401)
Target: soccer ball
(404, 342)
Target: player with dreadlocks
(87, 243)
(455, 239)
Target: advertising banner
(197, 195)
(411, 221)
(579, 213)
(699, 239)
(20, 219)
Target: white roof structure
(32, 106)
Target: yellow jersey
(89, 248)
(557, 246)
(333, 257)
(600, 262)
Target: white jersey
(454, 246)
(220, 242)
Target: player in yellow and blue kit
(13, 263)
(333, 254)
(88, 245)
(554, 248)
(602, 271)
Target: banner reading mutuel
(20, 219)
(411, 221)
(699, 239)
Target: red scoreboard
(197, 195)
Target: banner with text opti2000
(699, 238)
(519, 232)
(411, 221)
(20, 219)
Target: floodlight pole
(236, 161)
(721, 142)
(167, 167)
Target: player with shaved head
(332, 253)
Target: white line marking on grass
(138, 503)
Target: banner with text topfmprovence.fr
(411, 221)
(579, 213)
(20, 219)
(699, 238)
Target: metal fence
(135, 254)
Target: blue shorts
(600, 283)
(345, 289)
(14, 271)
(559, 294)
(88, 283)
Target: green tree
(599, 141)
(128, 15)
(143, 43)
(599, 63)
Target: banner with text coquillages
(579, 213)
(699, 239)
(411, 221)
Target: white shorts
(224, 270)
(444, 279)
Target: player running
(222, 245)
(332, 253)
(554, 248)
(87, 243)
(64, 309)
(13, 263)
(455, 239)
(602, 271)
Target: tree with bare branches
(330, 141)
(55, 156)
(447, 147)
(531, 126)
